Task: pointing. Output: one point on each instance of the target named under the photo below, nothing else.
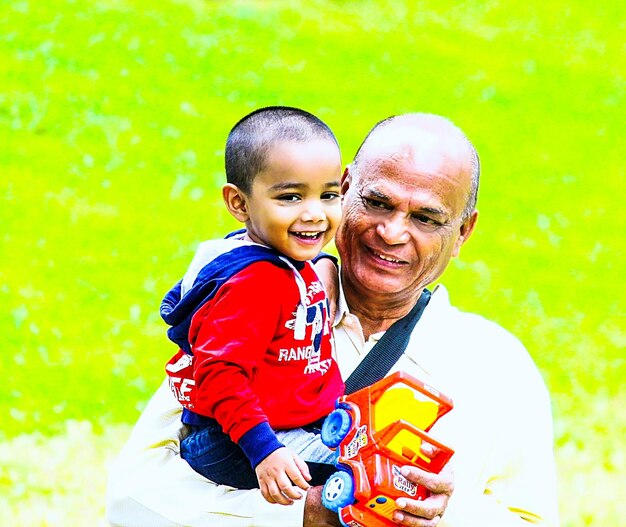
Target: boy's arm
(150, 484)
(230, 338)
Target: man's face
(402, 221)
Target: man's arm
(524, 493)
(315, 514)
(518, 475)
(521, 487)
(150, 484)
(501, 426)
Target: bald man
(409, 204)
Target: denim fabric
(210, 452)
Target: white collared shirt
(500, 428)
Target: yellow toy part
(403, 402)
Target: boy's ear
(235, 201)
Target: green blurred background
(113, 118)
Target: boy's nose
(314, 211)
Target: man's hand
(277, 472)
(428, 512)
(425, 513)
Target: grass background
(113, 117)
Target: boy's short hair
(252, 137)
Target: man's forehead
(418, 150)
(409, 142)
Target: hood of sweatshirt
(214, 263)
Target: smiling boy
(255, 371)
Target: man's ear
(235, 201)
(346, 180)
(465, 231)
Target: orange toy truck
(376, 431)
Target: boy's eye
(330, 195)
(288, 197)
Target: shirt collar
(343, 309)
(438, 301)
(342, 304)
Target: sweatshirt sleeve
(230, 337)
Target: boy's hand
(277, 472)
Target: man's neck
(377, 312)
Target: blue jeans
(211, 452)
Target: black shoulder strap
(388, 349)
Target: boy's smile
(294, 205)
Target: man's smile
(386, 257)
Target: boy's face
(294, 204)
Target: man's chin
(375, 284)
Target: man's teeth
(387, 259)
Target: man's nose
(393, 230)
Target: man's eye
(288, 197)
(425, 220)
(376, 204)
(330, 195)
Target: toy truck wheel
(338, 491)
(336, 427)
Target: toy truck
(376, 431)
